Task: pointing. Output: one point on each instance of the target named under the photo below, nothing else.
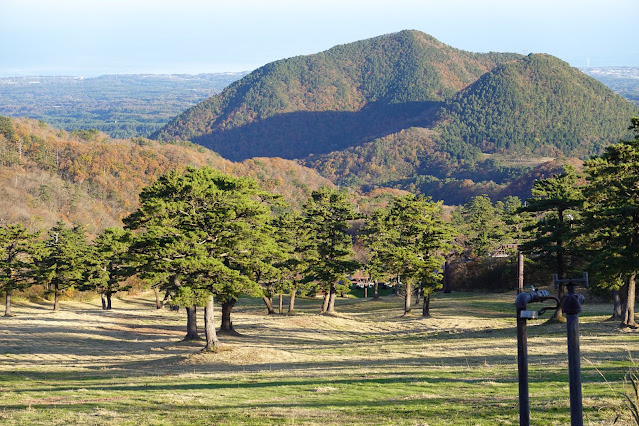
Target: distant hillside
(122, 106)
(48, 175)
(408, 112)
(539, 104)
(332, 100)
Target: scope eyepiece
(523, 299)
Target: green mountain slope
(408, 112)
(539, 104)
(536, 106)
(332, 100)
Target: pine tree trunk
(629, 314)
(365, 290)
(327, 295)
(291, 302)
(56, 297)
(108, 297)
(617, 305)
(376, 290)
(418, 295)
(407, 298)
(561, 274)
(103, 300)
(331, 301)
(269, 305)
(209, 326)
(167, 298)
(7, 304)
(191, 324)
(281, 304)
(227, 325)
(158, 303)
(426, 305)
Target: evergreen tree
(556, 203)
(330, 249)
(292, 237)
(200, 229)
(17, 246)
(107, 266)
(482, 225)
(410, 239)
(612, 216)
(63, 261)
(516, 222)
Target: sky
(95, 37)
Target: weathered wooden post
(446, 277)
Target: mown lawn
(367, 365)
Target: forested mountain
(332, 100)
(540, 104)
(406, 111)
(48, 174)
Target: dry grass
(368, 364)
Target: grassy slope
(367, 366)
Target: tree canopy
(201, 229)
(612, 215)
(409, 239)
(329, 253)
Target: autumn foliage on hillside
(48, 174)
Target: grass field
(367, 365)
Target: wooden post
(520, 263)
(446, 277)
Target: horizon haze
(76, 38)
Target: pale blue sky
(93, 37)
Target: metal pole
(520, 264)
(572, 307)
(522, 366)
(521, 303)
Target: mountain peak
(278, 107)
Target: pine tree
(612, 216)
(481, 222)
(17, 247)
(107, 266)
(293, 239)
(409, 239)
(62, 263)
(330, 248)
(556, 203)
(199, 229)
